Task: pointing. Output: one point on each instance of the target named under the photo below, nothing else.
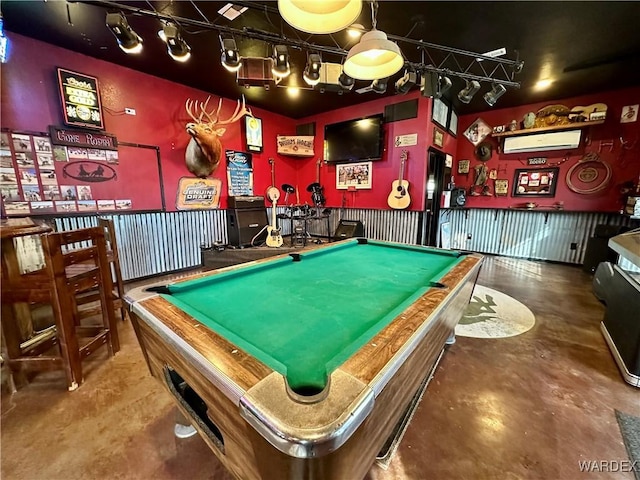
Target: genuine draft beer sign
(198, 193)
(80, 99)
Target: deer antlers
(213, 117)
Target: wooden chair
(69, 271)
(117, 292)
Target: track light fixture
(444, 84)
(311, 72)
(409, 80)
(374, 56)
(434, 85)
(467, 93)
(128, 40)
(281, 66)
(379, 85)
(230, 55)
(492, 96)
(345, 82)
(177, 48)
(320, 16)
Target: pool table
(301, 365)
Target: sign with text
(76, 138)
(406, 140)
(296, 145)
(198, 193)
(239, 173)
(537, 161)
(80, 99)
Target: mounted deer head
(205, 148)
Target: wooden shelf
(528, 131)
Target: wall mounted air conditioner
(539, 142)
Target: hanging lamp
(374, 56)
(320, 16)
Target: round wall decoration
(590, 175)
(493, 314)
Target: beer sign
(80, 100)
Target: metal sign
(295, 145)
(406, 140)
(76, 138)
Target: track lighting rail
(491, 69)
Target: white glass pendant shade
(320, 16)
(374, 56)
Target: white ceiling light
(320, 16)
(374, 56)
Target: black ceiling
(585, 47)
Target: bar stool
(69, 271)
(117, 292)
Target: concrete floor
(530, 406)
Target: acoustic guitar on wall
(399, 197)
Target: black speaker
(308, 129)
(244, 224)
(349, 229)
(401, 111)
(458, 197)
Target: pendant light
(320, 16)
(375, 56)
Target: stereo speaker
(252, 202)
(401, 111)
(244, 224)
(349, 229)
(308, 129)
(458, 197)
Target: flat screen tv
(360, 139)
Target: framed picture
(440, 112)
(438, 137)
(453, 123)
(463, 166)
(477, 131)
(253, 133)
(501, 187)
(356, 175)
(539, 182)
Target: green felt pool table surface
(304, 315)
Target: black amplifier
(246, 201)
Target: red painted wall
(624, 160)
(386, 170)
(30, 101)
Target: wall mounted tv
(356, 140)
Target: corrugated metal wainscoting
(534, 234)
(155, 243)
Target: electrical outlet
(130, 111)
(574, 246)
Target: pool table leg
(452, 338)
(183, 427)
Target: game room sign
(80, 99)
(295, 146)
(75, 138)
